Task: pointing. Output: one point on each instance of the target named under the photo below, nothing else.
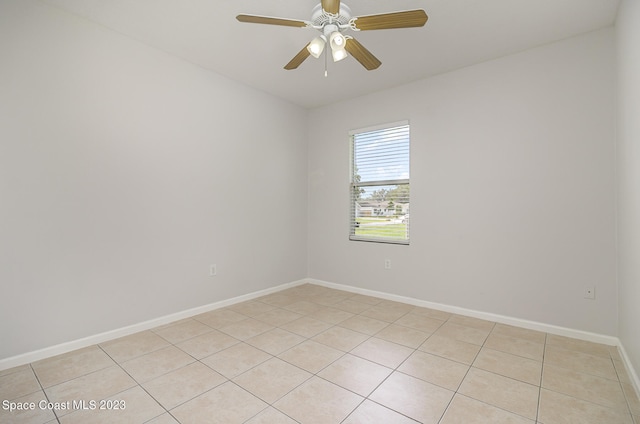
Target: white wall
(512, 186)
(628, 172)
(124, 173)
(116, 190)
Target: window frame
(353, 185)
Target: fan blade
(331, 6)
(253, 19)
(362, 55)
(408, 19)
(298, 59)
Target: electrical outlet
(387, 264)
(590, 293)
(213, 270)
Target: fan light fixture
(331, 18)
(316, 46)
(338, 42)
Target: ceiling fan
(331, 18)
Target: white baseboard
(48, 352)
(517, 322)
(531, 325)
(633, 375)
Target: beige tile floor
(311, 354)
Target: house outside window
(380, 184)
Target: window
(380, 184)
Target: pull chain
(326, 55)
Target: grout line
(544, 351)
(132, 378)
(55, 415)
(456, 391)
(354, 409)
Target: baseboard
(633, 375)
(48, 352)
(503, 319)
(517, 322)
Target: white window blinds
(380, 184)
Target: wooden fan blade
(298, 59)
(331, 6)
(253, 19)
(408, 19)
(362, 55)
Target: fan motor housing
(320, 18)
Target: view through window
(380, 184)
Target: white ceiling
(458, 33)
